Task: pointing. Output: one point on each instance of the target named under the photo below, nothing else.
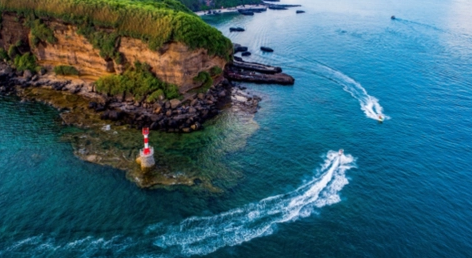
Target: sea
(401, 188)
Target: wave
(204, 235)
(369, 104)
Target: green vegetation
(139, 82)
(13, 50)
(3, 54)
(156, 22)
(65, 70)
(205, 79)
(25, 62)
(40, 32)
(215, 71)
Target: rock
(27, 74)
(186, 130)
(158, 109)
(114, 115)
(154, 126)
(156, 118)
(167, 105)
(201, 96)
(99, 108)
(192, 110)
(194, 102)
(196, 126)
(174, 103)
(91, 158)
(19, 73)
(35, 77)
(43, 71)
(169, 113)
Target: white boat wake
(203, 235)
(370, 105)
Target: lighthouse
(146, 155)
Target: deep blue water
(400, 190)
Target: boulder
(92, 104)
(174, 103)
(154, 126)
(27, 74)
(201, 96)
(114, 115)
(192, 110)
(158, 109)
(43, 71)
(156, 118)
(196, 126)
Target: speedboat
(381, 118)
(341, 151)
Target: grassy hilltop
(156, 22)
(103, 22)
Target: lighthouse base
(146, 160)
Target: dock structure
(146, 155)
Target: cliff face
(174, 63)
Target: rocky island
(102, 62)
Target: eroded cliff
(173, 63)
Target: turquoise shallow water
(402, 189)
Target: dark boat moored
(236, 29)
(267, 49)
(246, 53)
(244, 12)
(300, 11)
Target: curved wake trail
(370, 105)
(203, 235)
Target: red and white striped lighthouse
(146, 155)
(146, 150)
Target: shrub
(201, 77)
(25, 62)
(103, 41)
(139, 82)
(155, 96)
(12, 52)
(40, 32)
(65, 70)
(215, 70)
(205, 79)
(3, 54)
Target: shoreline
(72, 99)
(229, 9)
